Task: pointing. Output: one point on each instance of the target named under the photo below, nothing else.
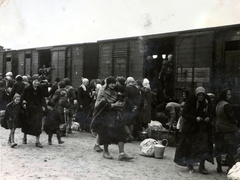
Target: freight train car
(209, 57)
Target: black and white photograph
(120, 89)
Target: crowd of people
(118, 110)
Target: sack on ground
(234, 172)
(147, 147)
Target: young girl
(53, 120)
(63, 109)
(13, 117)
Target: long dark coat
(53, 120)
(146, 108)
(84, 100)
(32, 123)
(133, 102)
(196, 143)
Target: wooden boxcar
(209, 57)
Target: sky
(39, 23)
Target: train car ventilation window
(232, 45)
(8, 59)
(28, 55)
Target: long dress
(196, 142)
(32, 123)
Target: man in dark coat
(35, 105)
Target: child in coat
(52, 123)
(63, 109)
(13, 118)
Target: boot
(59, 138)
(219, 165)
(202, 168)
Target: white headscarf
(145, 83)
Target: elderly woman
(226, 130)
(107, 121)
(196, 144)
(84, 100)
(133, 103)
(35, 105)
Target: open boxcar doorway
(44, 57)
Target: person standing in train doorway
(167, 78)
(148, 68)
(35, 105)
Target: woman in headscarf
(226, 130)
(196, 143)
(35, 105)
(131, 111)
(84, 100)
(147, 100)
(107, 120)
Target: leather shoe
(60, 142)
(124, 156)
(38, 145)
(219, 169)
(203, 170)
(24, 141)
(13, 145)
(97, 148)
(107, 155)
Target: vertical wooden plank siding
(28, 66)
(14, 63)
(54, 63)
(77, 65)
(2, 63)
(69, 63)
(120, 58)
(105, 59)
(34, 62)
(194, 59)
(21, 64)
(58, 62)
(8, 62)
(61, 64)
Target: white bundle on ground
(155, 125)
(75, 126)
(234, 172)
(146, 147)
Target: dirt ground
(76, 159)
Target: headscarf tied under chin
(145, 83)
(200, 90)
(131, 81)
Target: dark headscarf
(110, 80)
